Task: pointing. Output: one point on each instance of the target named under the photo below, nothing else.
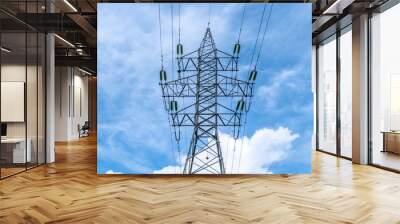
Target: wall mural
(204, 88)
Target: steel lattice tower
(207, 77)
(205, 143)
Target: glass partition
(346, 92)
(22, 101)
(14, 153)
(327, 95)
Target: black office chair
(84, 130)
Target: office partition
(22, 88)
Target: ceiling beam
(86, 26)
(81, 61)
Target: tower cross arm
(227, 87)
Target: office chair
(84, 130)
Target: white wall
(12, 73)
(62, 81)
(71, 94)
(17, 73)
(81, 89)
(33, 126)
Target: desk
(18, 150)
(391, 141)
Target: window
(327, 95)
(346, 92)
(385, 89)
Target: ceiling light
(5, 50)
(79, 51)
(70, 5)
(84, 71)
(64, 40)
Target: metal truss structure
(207, 82)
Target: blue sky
(134, 136)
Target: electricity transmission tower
(215, 97)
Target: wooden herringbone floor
(70, 191)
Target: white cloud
(169, 170)
(112, 172)
(264, 148)
(258, 152)
(282, 81)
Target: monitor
(3, 129)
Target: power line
(265, 31)
(171, 141)
(209, 14)
(258, 34)
(179, 23)
(233, 154)
(241, 22)
(172, 40)
(251, 62)
(241, 145)
(237, 45)
(255, 66)
(179, 75)
(161, 45)
(177, 137)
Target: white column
(50, 100)
(50, 92)
(314, 91)
(360, 90)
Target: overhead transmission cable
(162, 70)
(179, 47)
(236, 50)
(255, 66)
(177, 135)
(209, 14)
(242, 139)
(161, 44)
(251, 62)
(260, 49)
(179, 23)
(241, 22)
(265, 31)
(172, 40)
(179, 75)
(258, 34)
